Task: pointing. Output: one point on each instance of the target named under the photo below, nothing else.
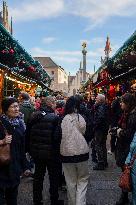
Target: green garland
(19, 62)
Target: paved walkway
(102, 188)
(103, 185)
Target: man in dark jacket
(26, 108)
(101, 126)
(45, 137)
(116, 114)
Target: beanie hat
(6, 102)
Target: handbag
(4, 154)
(125, 181)
(4, 150)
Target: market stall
(18, 70)
(117, 74)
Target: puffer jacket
(45, 134)
(73, 147)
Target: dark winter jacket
(45, 134)
(101, 118)
(27, 109)
(87, 114)
(10, 174)
(125, 138)
(116, 112)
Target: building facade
(75, 82)
(57, 73)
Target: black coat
(45, 135)
(116, 112)
(126, 136)
(101, 118)
(87, 114)
(10, 174)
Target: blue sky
(57, 28)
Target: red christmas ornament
(4, 51)
(31, 68)
(11, 51)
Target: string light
(18, 62)
(17, 81)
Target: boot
(123, 199)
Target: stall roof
(127, 43)
(19, 62)
(124, 59)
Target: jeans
(8, 195)
(40, 170)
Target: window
(52, 72)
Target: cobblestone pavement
(102, 188)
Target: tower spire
(11, 26)
(4, 12)
(7, 14)
(107, 48)
(94, 68)
(80, 65)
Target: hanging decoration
(124, 60)
(19, 62)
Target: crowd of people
(54, 134)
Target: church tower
(107, 51)
(5, 18)
(4, 14)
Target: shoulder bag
(4, 150)
(125, 181)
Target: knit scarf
(14, 121)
